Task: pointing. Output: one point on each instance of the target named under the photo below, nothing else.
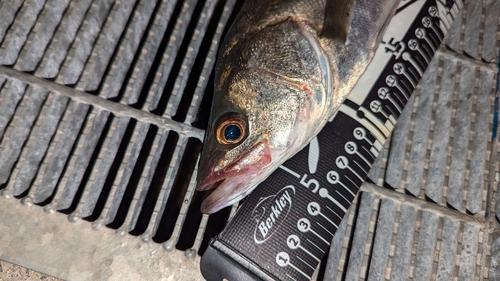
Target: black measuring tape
(284, 228)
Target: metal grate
(103, 106)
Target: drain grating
(103, 106)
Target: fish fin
(338, 15)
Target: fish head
(261, 114)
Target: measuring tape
(284, 228)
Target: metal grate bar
(80, 52)
(147, 187)
(125, 53)
(9, 103)
(63, 38)
(7, 15)
(84, 153)
(39, 40)
(118, 195)
(96, 191)
(491, 15)
(43, 137)
(14, 41)
(61, 154)
(148, 52)
(173, 47)
(209, 62)
(116, 22)
(440, 136)
(188, 62)
(472, 29)
(26, 117)
(461, 127)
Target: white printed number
(342, 162)
(293, 241)
(304, 225)
(282, 259)
(313, 208)
(310, 184)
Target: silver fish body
(283, 71)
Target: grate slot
(57, 163)
(39, 40)
(126, 56)
(200, 102)
(156, 39)
(156, 177)
(106, 173)
(214, 226)
(193, 51)
(31, 165)
(189, 230)
(22, 128)
(80, 52)
(12, 46)
(177, 44)
(63, 38)
(126, 189)
(185, 87)
(109, 39)
(183, 178)
(85, 155)
(169, 180)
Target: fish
(283, 70)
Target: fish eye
(231, 129)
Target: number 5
(310, 182)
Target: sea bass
(283, 70)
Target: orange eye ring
(231, 129)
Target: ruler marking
(346, 188)
(323, 192)
(305, 262)
(325, 229)
(342, 196)
(290, 171)
(364, 159)
(313, 256)
(369, 152)
(333, 212)
(354, 172)
(315, 245)
(319, 236)
(300, 271)
(359, 165)
(374, 120)
(352, 113)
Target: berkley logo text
(270, 212)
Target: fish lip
(233, 182)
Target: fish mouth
(235, 181)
